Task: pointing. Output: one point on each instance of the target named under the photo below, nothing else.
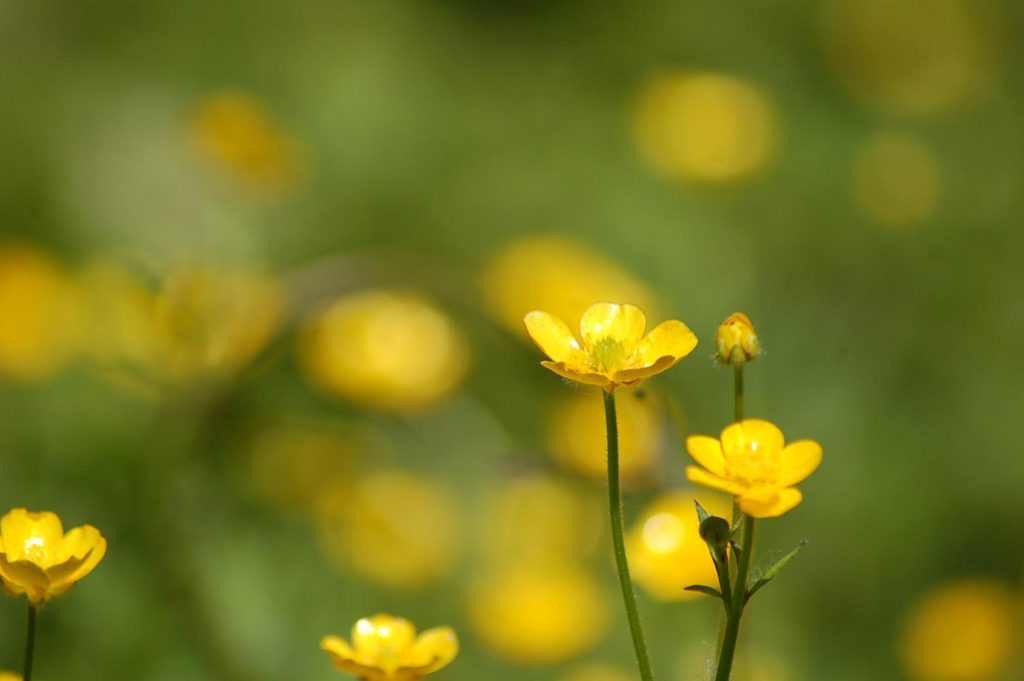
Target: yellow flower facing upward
(753, 463)
(386, 648)
(39, 560)
(614, 351)
(736, 340)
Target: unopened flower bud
(716, 533)
(736, 341)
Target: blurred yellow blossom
(199, 322)
(37, 322)
(9, 676)
(557, 274)
(704, 126)
(597, 672)
(961, 631)
(752, 462)
(236, 131)
(39, 560)
(538, 614)
(896, 179)
(577, 439)
(539, 519)
(666, 552)
(736, 340)
(615, 350)
(386, 648)
(911, 57)
(391, 527)
(385, 349)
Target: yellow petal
(74, 569)
(624, 324)
(668, 339)
(703, 477)
(337, 647)
(707, 451)
(563, 370)
(775, 505)
(372, 635)
(434, 649)
(553, 337)
(25, 577)
(798, 460)
(751, 434)
(632, 376)
(32, 536)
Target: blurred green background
(260, 275)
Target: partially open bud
(736, 341)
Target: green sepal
(702, 514)
(774, 570)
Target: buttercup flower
(614, 352)
(386, 648)
(736, 340)
(39, 560)
(753, 463)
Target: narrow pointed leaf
(774, 570)
(702, 515)
(702, 589)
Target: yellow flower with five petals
(39, 560)
(386, 648)
(614, 350)
(753, 463)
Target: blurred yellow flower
(615, 351)
(386, 648)
(597, 672)
(39, 560)
(961, 631)
(538, 614)
(554, 273)
(384, 349)
(736, 340)
(200, 323)
(37, 323)
(709, 127)
(9, 676)
(539, 519)
(753, 463)
(666, 553)
(576, 435)
(896, 180)
(910, 57)
(236, 131)
(392, 528)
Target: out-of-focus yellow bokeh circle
(705, 126)
(896, 180)
(597, 672)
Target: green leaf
(774, 570)
(702, 515)
(706, 590)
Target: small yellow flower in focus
(237, 132)
(666, 552)
(736, 340)
(386, 648)
(392, 528)
(707, 127)
(962, 631)
(558, 274)
(37, 329)
(39, 560)
(576, 435)
(539, 614)
(615, 351)
(753, 463)
(598, 672)
(896, 180)
(388, 350)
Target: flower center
(35, 548)
(753, 464)
(608, 354)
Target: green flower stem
(732, 625)
(737, 382)
(615, 507)
(30, 643)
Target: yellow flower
(961, 631)
(736, 340)
(614, 352)
(385, 349)
(753, 463)
(386, 648)
(666, 553)
(39, 560)
(9, 676)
